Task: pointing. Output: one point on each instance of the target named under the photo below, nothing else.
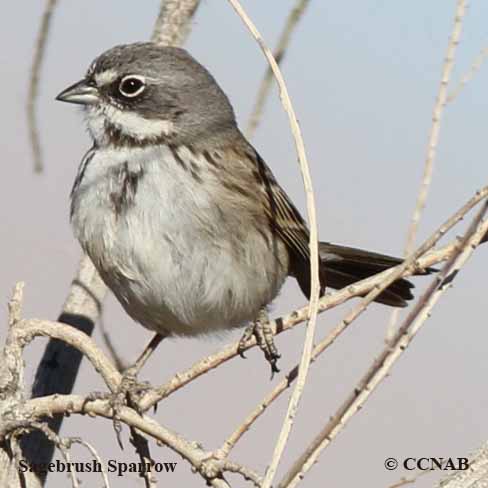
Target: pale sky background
(363, 77)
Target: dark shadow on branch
(54, 375)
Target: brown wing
(283, 215)
(288, 225)
(250, 175)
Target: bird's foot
(263, 333)
(129, 392)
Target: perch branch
(313, 246)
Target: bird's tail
(344, 266)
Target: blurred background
(363, 77)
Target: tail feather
(396, 295)
(343, 266)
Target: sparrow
(182, 218)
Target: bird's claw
(129, 392)
(264, 338)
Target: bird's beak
(81, 92)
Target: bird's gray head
(142, 93)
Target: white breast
(178, 259)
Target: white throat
(129, 123)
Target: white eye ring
(131, 86)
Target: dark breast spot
(127, 184)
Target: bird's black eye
(131, 86)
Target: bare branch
(438, 110)
(26, 330)
(246, 473)
(15, 304)
(313, 246)
(62, 444)
(412, 479)
(76, 404)
(436, 125)
(279, 54)
(39, 52)
(94, 453)
(469, 75)
(173, 22)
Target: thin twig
(94, 453)
(391, 353)
(39, 52)
(412, 479)
(17, 457)
(436, 125)
(469, 75)
(438, 110)
(313, 246)
(15, 304)
(246, 473)
(62, 444)
(27, 330)
(279, 54)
